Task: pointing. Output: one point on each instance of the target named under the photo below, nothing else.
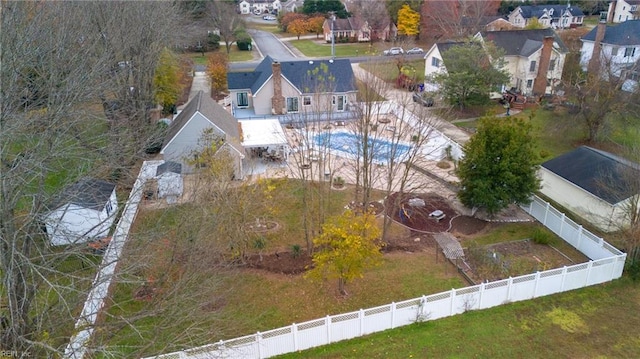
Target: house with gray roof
(82, 212)
(197, 127)
(550, 16)
(170, 181)
(294, 90)
(613, 51)
(598, 186)
(534, 59)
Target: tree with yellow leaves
(408, 21)
(217, 69)
(167, 80)
(298, 27)
(349, 243)
(315, 25)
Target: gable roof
(589, 168)
(169, 166)
(87, 193)
(214, 113)
(348, 24)
(529, 11)
(523, 42)
(298, 73)
(626, 33)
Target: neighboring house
(499, 24)
(170, 182)
(83, 212)
(202, 121)
(349, 29)
(292, 5)
(434, 62)
(554, 16)
(613, 51)
(356, 30)
(291, 89)
(259, 6)
(623, 10)
(534, 59)
(596, 185)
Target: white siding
(603, 215)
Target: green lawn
(594, 322)
(312, 48)
(235, 55)
(388, 70)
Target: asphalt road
(270, 45)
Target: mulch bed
(417, 217)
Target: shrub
(541, 236)
(443, 164)
(296, 250)
(415, 138)
(338, 181)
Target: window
(614, 51)
(306, 101)
(529, 83)
(243, 99)
(109, 208)
(552, 65)
(292, 104)
(435, 62)
(339, 102)
(532, 66)
(629, 52)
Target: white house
(83, 211)
(259, 6)
(596, 185)
(202, 121)
(553, 16)
(623, 10)
(170, 182)
(534, 59)
(613, 50)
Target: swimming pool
(347, 144)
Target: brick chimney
(594, 63)
(277, 101)
(540, 82)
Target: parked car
(269, 17)
(423, 98)
(415, 50)
(393, 51)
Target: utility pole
(333, 41)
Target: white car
(393, 51)
(269, 17)
(415, 50)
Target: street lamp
(333, 35)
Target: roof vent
(310, 62)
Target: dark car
(423, 98)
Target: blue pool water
(347, 143)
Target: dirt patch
(373, 207)
(414, 211)
(511, 259)
(280, 262)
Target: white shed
(83, 211)
(170, 182)
(596, 185)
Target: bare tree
(222, 15)
(57, 63)
(456, 19)
(374, 13)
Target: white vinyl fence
(76, 348)
(606, 264)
